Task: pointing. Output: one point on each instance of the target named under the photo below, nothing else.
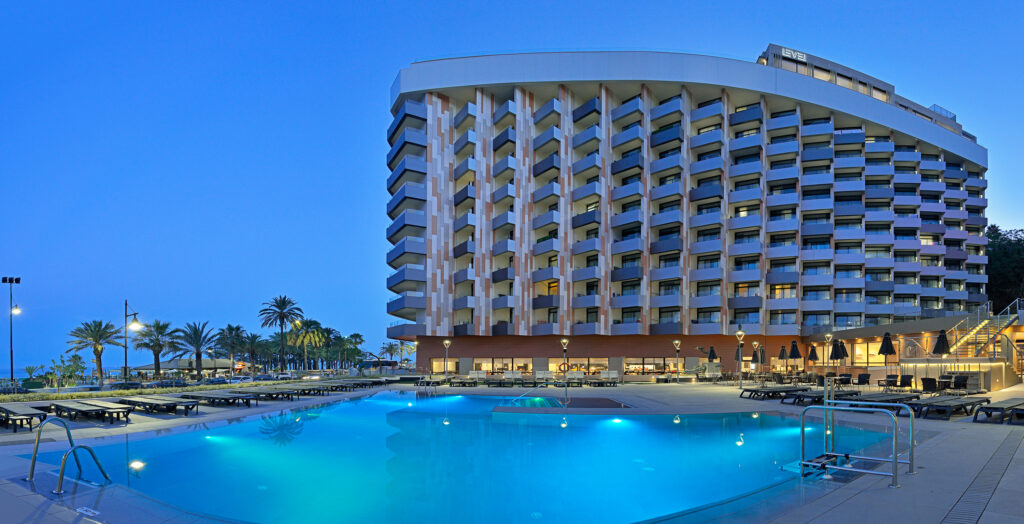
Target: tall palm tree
(159, 338)
(198, 338)
(331, 336)
(94, 335)
(231, 338)
(306, 333)
(252, 343)
(280, 311)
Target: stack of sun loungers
(71, 409)
(767, 392)
(155, 403)
(15, 415)
(997, 412)
(947, 408)
(221, 397)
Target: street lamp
(447, 344)
(828, 345)
(739, 352)
(14, 310)
(675, 344)
(565, 360)
(135, 326)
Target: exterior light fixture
(676, 419)
(564, 422)
(136, 465)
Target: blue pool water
(391, 458)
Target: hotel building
(628, 199)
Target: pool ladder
(825, 461)
(73, 451)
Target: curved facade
(670, 194)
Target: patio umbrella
(783, 356)
(794, 352)
(712, 356)
(941, 344)
(763, 359)
(886, 348)
(842, 347)
(837, 352)
(755, 359)
(739, 352)
(812, 355)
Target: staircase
(979, 334)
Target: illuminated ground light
(136, 465)
(617, 420)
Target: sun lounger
(767, 392)
(997, 412)
(221, 397)
(302, 389)
(112, 410)
(918, 405)
(18, 414)
(1015, 415)
(270, 393)
(572, 379)
(948, 407)
(814, 396)
(888, 398)
(71, 409)
(152, 404)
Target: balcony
(705, 301)
(879, 193)
(816, 179)
(813, 255)
(666, 328)
(785, 173)
(815, 130)
(505, 112)
(672, 189)
(879, 216)
(503, 192)
(627, 328)
(626, 218)
(815, 154)
(502, 329)
(709, 165)
(465, 140)
(707, 112)
(506, 165)
(406, 251)
(744, 275)
(848, 234)
(409, 223)
(412, 141)
(466, 248)
(592, 328)
(847, 209)
(706, 246)
(464, 274)
(544, 274)
(817, 305)
(407, 304)
(628, 190)
(747, 115)
(816, 229)
(674, 216)
(848, 186)
(546, 328)
(551, 110)
(467, 166)
(586, 301)
(627, 246)
(630, 137)
(462, 330)
(551, 163)
(748, 142)
(906, 156)
(879, 262)
(465, 220)
(409, 196)
(906, 178)
(584, 191)
(875, 239)
(710, 138)
(628, 163)
(549, 218)
(407, 278)
(849, 258)
(671, 108)
(790, 251)
(782, 122)
(504, 220)
(624, 301)
(467, 302)
(504, 138)
(705, 328)
(405, 331)
(666, 273)
(503, 302)
(745, 168)
(667, 245)
(848, 137)
(881, 286)
(791, 147)
(465, 117)
(879, 147)
(667, 165)
(550, 245)
(706, 219)
(705, 192)
(932, 166)
(409, 169)
(907, 222)
(547, 141)
(546, 301)
(775, 304)
(586, 218)
(586, 273)
(590, 107)
(586, 165)
(586, 246)
(467, 192)
(671, 135)
(744, 302)
(545, 192)
(751, 195)
(745, 222)
(710, 273)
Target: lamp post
(447, 344)
(565, 360)
(739, 352)
(675, 344)
(14, 310)
(828, 344)
(134, 326)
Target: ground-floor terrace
(974, 472)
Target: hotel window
(782, 214)
(710, 181)
(822, 74)
(815, 244)
(668, 233)
(630, 233)
(906, 256)
(592, 233)
(905, 300)
(632, 179)
(849, 272)
(817, 145)
(552, 287)
(877, 252)
(708, 262)
(787, 112)
(782, 291)
(782, 240)
(848, 320)
(594, 179)
(708, 316)
(783, 138)
(848, 247)
(591, 315)
(710, 154)
(746, 237)
(630, 206)
(863, 88)
(746, 289)
(817, 293)
(847, 296)
(709, 102)
(879, 299)
(746, 159)
(879, 94)
(631, 315)
(708, 129)
(743, 211)
(782, 189)
(779, 318)
(746, 316)
(848, 224)
(745, 263)
(908, 279)
(668, 315)
(747, 184)
(817, 319)
(748, 132)
(710, 288)
(878, 275)
(708, 234)
(630, 261)
(783, 266)
(821, 268)
(704, 209)
(669, 287)
(592, 206)
(437, 365)
(668, 179)
(591, 261)
(844, 81)
(522, 364)
(631, 288)
(819, 120)
(669, 206)
(668, 261)
(782, 164)
(591, 288)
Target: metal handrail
(829, 410)
(910, 436)
(35, 449)
(64, 461)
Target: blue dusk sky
(199, 158)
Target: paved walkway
(966, 472)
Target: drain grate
(89, 512)
(972, 503)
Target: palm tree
(159, 338)
(94, 335)
(231, 338)
(306, 333)
(280, 311)
(331, 337)
(198, 338)
(252, 343)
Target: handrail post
(35, 449)
(63, 463)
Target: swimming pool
(396, 457)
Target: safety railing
(73, 451)
(829, 455)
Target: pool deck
(974, 472)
